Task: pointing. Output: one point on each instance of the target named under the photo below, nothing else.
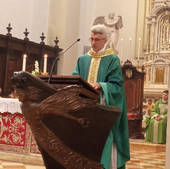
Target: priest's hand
(159, 118)
(95, 85)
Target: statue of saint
(113, 23)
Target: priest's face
(165, 96)
(97, 41)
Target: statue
(113, 23)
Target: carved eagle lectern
(68, 124)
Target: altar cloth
(15, 133)
(10, 105)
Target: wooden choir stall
(134, 89)
(21, 54)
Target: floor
(143, 156)
(146, 155)
(145, 160)
(13, 165)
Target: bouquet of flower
(37, 70)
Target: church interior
(34, 34)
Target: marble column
(148, 34)
(153, 34)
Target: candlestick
(24, 62)
(45, 63)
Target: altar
(16, 139)
(157, 77)
(156, 49)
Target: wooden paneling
(11, 56)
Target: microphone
(61, 53)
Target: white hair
(102, 29)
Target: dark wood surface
(69, 125)
(63, 80)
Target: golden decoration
(95, 62)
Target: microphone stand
(61, 53)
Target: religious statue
(113, 23)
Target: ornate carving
(42, 37)
(158, 47)
(26, 34)
(134, 85)
(9, 28)
(12, 50)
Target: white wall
(31, 14)
(64, 23)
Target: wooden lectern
(68, 124)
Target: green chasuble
(110, 78)
(156, 129)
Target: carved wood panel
(11, 58)
(134, 88)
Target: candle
(139, 46)
(45, 63)
(24, 62)
(130, 48)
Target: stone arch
(160, 29)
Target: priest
(156, 121)
(101, 68)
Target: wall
(140, 33)
(64, 19)
(24, 14)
